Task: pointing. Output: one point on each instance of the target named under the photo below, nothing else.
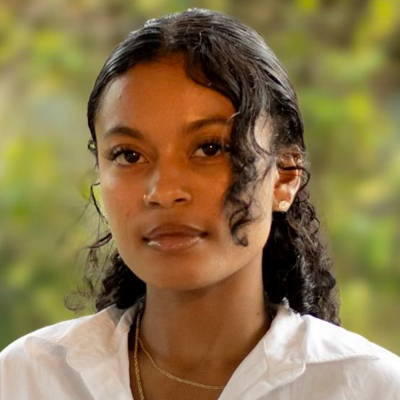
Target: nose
(167, 187)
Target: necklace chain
(136, 361)
(138, 342)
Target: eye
(124, 156)
(210, 148)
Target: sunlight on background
(344, 59)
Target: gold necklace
(136, 361)
(138, 342)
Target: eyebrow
(189, 128)
(204, 122)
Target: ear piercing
(283, 205)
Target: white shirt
(299, 358)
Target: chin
(189, 279)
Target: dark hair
(229, 57)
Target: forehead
(161, 90)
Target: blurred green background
(343, 57)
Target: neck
(214, 327)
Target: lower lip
(174, 242)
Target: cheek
(211, 201)
(259, 230)
(213, 193)
(120, 198)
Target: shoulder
(35, 358)
(55, 341)
(313, 359)
(350, 357)
(41, 363)
(324, 339)
(37, 347)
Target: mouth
(173, 238)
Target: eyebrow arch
(125, 131)
(204, 122)
(189, 128)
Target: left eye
(209, 149)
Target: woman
(220, 286)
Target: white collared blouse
(299, 358)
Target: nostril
(166, 198)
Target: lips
(173, 237)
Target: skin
(205, 307)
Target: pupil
(210, 149)
(132, 157)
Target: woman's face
(164, 173)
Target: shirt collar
(100, 337)
(292, 342)
(98, 350)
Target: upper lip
(173, 229)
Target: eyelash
(112, 154)
(220, 143)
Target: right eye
(124, 156)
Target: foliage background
(344, 59)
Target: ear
(287, 182)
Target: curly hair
(231, 58)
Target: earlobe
(283, 205)
(286, 185)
